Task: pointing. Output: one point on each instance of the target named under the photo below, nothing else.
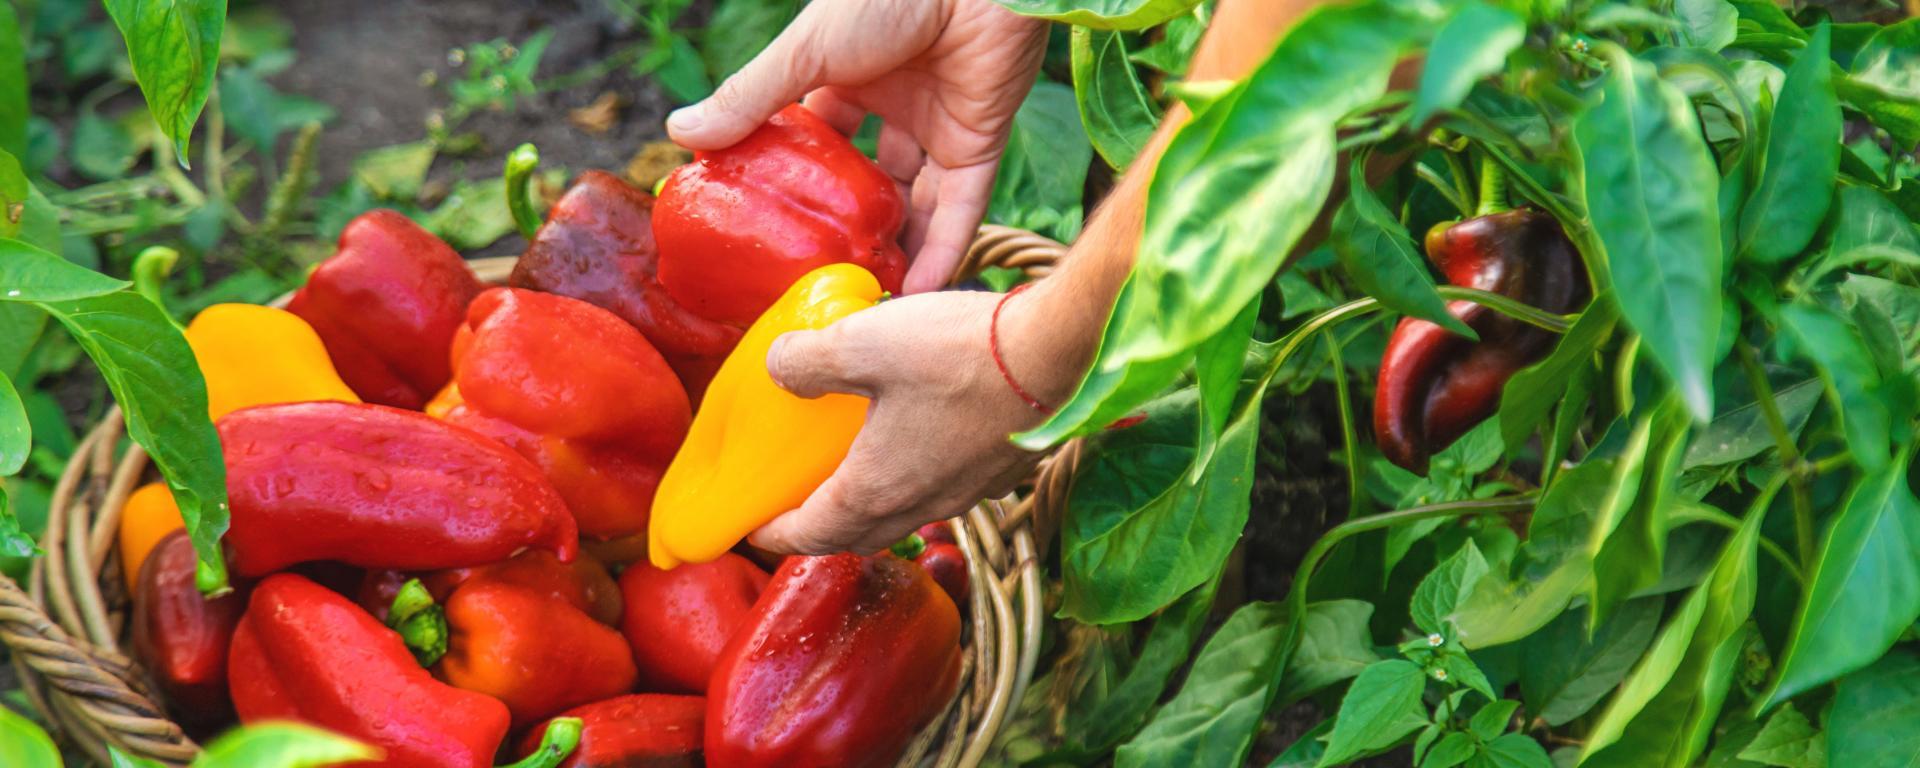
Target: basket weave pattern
(67, 627)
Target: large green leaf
(13, 84)
(1044, 170)
(1378, 254)
(1864, 590)
(1564, 671)
(1874, 709)
(1534, 390)
(1118, 112)
(1662, 713)
(1709, 24)
(1900, 303)
(31, 274)
(1741, 432)
(1449, 583)
(1629, 556)
(282, 745)
(1103, 14)
(1472, 45)
(1380, 708)
(1334, 645)
(1095, 729)
(1653, 193)
(1212, 720)
(1802, 156)
(1852, 379)
(1886, 79)
(16, 436)
(1147, 525)
(23, 743)
(174, 46)
(1787, 740)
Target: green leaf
(1852, 380)
(152, 374)
(1864, 590)
(1446, 586)
(1335, 644)
(1491, 721)
(1044, 169)
(15, 195)
(1513, 750)
(121, 759)
(396, 172)
(1888, 64)
(175, 46)
(1096, 729)
(740, 29)
(282, 745)
(1802, 156)
(1452, 749)
(1472, 45)
(255, 111)
(1536, 389)
(1708, 24)
(32, 274)
(14, 108)
(1305, 751)
(1102, 14)
(1662, 712)
(1767, 16)
(1628, 556)
(474, 215)
(1119, 113)
(1900, 303)
(1380, 708)
(1378, 254)
(1212, 720)
(1788, 741)
(1174, 50)
(1741, 433)
(1148, 524)
(1874, 709)
(103, 149)
(16, 434)
(1652, 193)
(23, 743)
(1563, 672)
(1863, 216)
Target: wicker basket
(67, 627)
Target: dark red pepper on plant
(647, 730)
(386, 305)
(1435, 385)
(597, 246)
(379, 487)
(844, 659)
(181, 636)
(737, 226)
(678, 621)
(305, 653)
(537, 654)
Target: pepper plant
(1688, 533)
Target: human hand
(945, 77)
(935, 441)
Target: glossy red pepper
(386, 305)
(181, 636)
(597, 246)
(578, 392)
(1435, 385)
(305, 653)
(678, 621)
(536, 653)
(944, 561)
(737, 226)
(844, 659)
(583, 583)
(379, 487)
(647, 730)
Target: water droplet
(374, 481)
(13, 292)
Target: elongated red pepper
(537, 654)
(739, 225)
(578, 392)
(181, 636)
(379, 487)
(844, 659)
(597, 246)
(1434, 385)
(303, 652)
(678, 621)
(646, 730)
(583, 583)
(386, 305)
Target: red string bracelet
(1000, 361)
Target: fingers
(789, 67)
(814, 363)
(941, 228)
(833, 107)
(900, 154)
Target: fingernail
(685, 119)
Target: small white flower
(1435, 640)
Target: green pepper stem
(421, 623)
(520, 165)
(150, 270)
(910, 547)
(561, 738)
(1493, 188)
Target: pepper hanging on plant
(1436, 385)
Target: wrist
(1047, 340)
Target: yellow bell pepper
(255, 355)
(149, 515)
(756, 451)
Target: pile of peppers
(476, 524)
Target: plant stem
(1458, 169)
(1517, 310)
(1349, 439)
(150, 270)
(1705, 514)
(520, 165)
(1493, 188)
(1351, 528)
(1790, 459)
(559, 741)
(1446, 189)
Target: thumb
(787, 69)
(811, 363)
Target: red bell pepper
(597, 246)
(844, 659)
(578, 392)
(379, 487)
(737, 226)
(583, 583)
(537, 654)
(181, 636)
(386, 305)
(648, 729)
(303, 652)
(678, 621)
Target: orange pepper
(149, 515)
